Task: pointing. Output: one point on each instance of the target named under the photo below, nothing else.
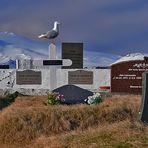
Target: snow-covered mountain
(94, 59)
(131, 57)
(14, 46)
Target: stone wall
(8, 80)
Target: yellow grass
(28, 122)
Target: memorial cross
(54, 65)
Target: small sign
(4, 66)
(80, 77)
(52, 62)
(28, 77)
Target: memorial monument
(52, 62)
(126, 77)
(51, 35)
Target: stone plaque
(73, 94)
(74, 52)
(80, 77)
(28, 77)
(126, 77)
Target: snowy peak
(4, 59)
(13, 46)
(131, 57)
(15, 39)
(95, 59)
(22, 56)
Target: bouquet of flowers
(93, 100)
(55, 98)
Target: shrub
(7, 100)
(55, 98)
(93, 100)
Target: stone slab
(74, 52)
(28, 77)
(144, 103)
(80, 77)
(126, 77)
(73, 94)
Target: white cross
(54, 67)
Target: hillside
(13, 46)
(28, 122)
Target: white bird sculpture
(52, 33)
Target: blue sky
(111, 26)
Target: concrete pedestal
(53, 69)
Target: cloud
(105, 24)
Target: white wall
(101, 77)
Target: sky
(110, 26)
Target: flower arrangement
(55, 98)
(93, 100)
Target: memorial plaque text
(80, 77)
(28, 77)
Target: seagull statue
(52, 33)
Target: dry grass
(121, 134)
(113, 123)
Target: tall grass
(28, 121)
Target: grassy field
(28, 122)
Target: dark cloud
(105, 25)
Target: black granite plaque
(52, 62)
(74, 52)
(28, 77)
(73, 94)
(80, 77)
(144, 104)
(4, 66)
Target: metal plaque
(80, 77)
(28, 77)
